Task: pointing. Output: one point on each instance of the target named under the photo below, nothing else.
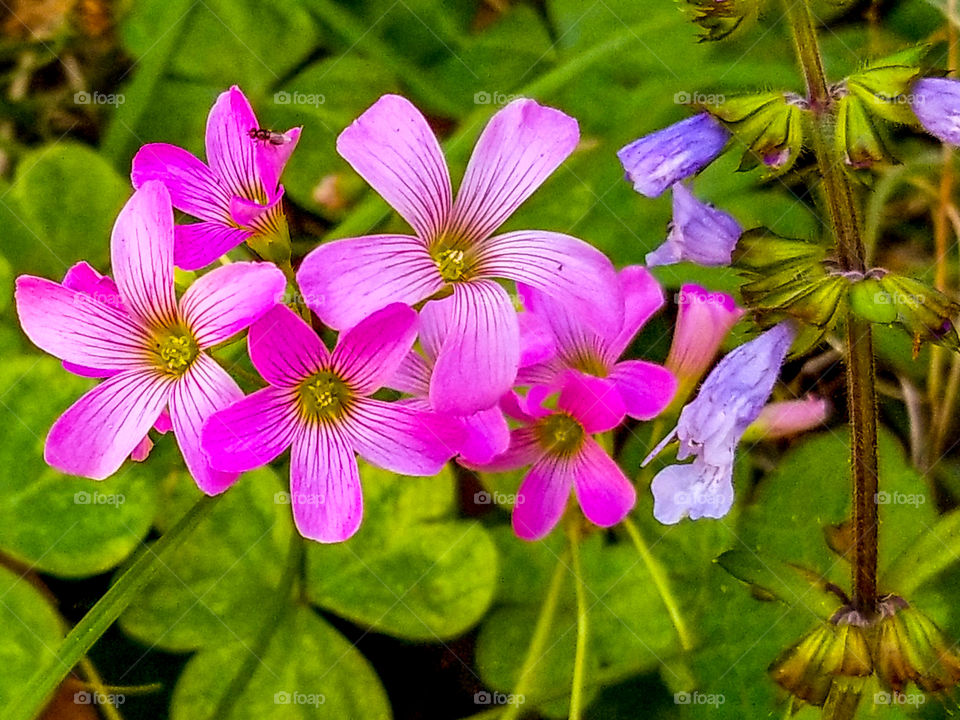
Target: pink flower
(558, 447)
(704, 320)
(789, 417)
(236, 196)
(454, 246)
(149, 349)
(318, 403)
(634, 387)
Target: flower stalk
(861, 374)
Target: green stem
(540, 634)
(580, 657)
(861, 372)
(110, 712)
(661, 582)
(86, 632)
(274, 615)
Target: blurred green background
(431, 608)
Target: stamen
(324, 397)
(174, 351)
(560, 434)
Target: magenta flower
(703, 321)
(150, 349)
(318, 403)
(786, 418)
(699, 233)
(558, 447)
(236, 195)
(634, 387)
(392, 147)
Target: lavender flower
(699, 233)
(936, 103)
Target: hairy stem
(861, 373)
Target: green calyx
(768, 124)
(323, 397)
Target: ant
(274, 138)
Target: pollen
(174, 350)
(323, 397)
(453, 258)
(559, 434)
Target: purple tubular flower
(392, 147)
(318, 403)
(936, 103)
(658, 160)
(558, 447)
(711, 426)
(638, 388)
(149, 348)
(236, 194)
(699, 233)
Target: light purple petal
(699, 233)
(194, 188)
(368, 355)
(523, 450)
(393, 148)
(198, 244)
(284, 349)
(647, 389)
(642, 297)
(141, 250)
(324, 484)
(412, 376)
(345, 280)
(694, 490)
(569, 270)
(231, 152)
(519, 148)
(542, 498)
(97, 433)
(72, 326)
(486, 435)
(200, 392)
(603, 491)
(936, 103)
(401, 438)
(656, 161)
(251, 432)
(227, 300)
(478, 360)
(594, 402)
(83, 278)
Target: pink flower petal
(368, 354)
(324, 485)
(412, 376)
(401, 438)
(573, 336)
(346, 280)
(284, 349)
(647, 389)
(83, 278)
(74, 327)
(272, 156)
(142, 451)
(393, 148)
(604, 492)
(565, 268)
(200, 392)
(523, 450)
(194, 189)
(594, 402)
(198, 244)
(487, 435)
(252, 431)
(519, 148)
(97, 433)
(642, 297)
(231, 152)
(246, 212)
(227, 300)
(542, 498)
(703, 322)
(141, 250)
(478, 360)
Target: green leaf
(937, 549)
(413, 570)
(67, 197)
(212, 591)
(66, 526)
(309, 671)
(31, 633)
(786, 583)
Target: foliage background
(434, 600)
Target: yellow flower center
(453, 258)
(323, 397)
(560, 434)
(174, 350)
(590, 364)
